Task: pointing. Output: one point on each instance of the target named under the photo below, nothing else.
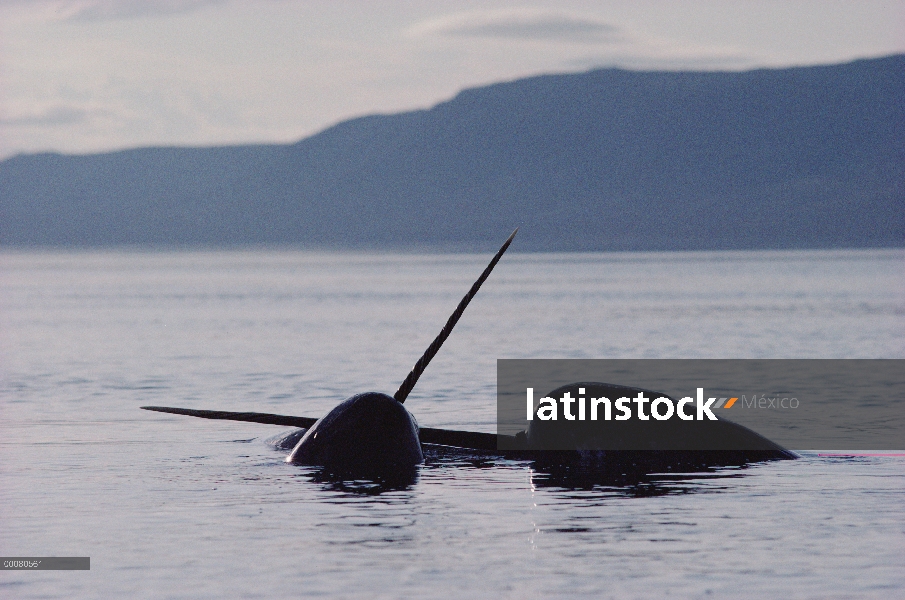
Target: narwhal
(373, 433)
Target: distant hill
(810, 157)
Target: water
(175, 507)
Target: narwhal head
(368, 433)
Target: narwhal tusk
(266, 418)
(410, 381)
(471, 440)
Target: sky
(82, 76)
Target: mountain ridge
(610, 159)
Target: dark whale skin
(368, 433)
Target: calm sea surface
(176, 507)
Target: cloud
(106, 10)
(51, 117)
(523, 24)
(574, 41)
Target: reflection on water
(368, 484)
(629, 485)
(567, 472)
(623, 479)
